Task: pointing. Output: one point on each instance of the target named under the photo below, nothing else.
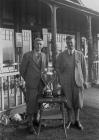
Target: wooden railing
(95, 72)
(10, 94)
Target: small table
(61, 100)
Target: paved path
(92, 97)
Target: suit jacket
(80, 69)
(31, 70)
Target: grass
(89, 118)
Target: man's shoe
(32, 130)
(36, 123)
(78, 125)
(44, 125)
(69, 125)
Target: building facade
(23, 20)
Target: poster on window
(19, 40)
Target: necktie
(70, 52)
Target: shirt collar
(70, 52)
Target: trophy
(49, 77)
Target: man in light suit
(33, 63)
(71, 69)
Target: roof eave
(73, 5)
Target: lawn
(54, 131)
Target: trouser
(31, 104)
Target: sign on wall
(27, 40)
(7, 50)
(18, 39)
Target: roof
(74, 4)
(77, 1)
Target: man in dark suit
(71, 69)
(33, 63)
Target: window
(7, 45)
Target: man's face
(70, 44)
(38, 45)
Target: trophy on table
(49, 77)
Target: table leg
(64, 119)
(39, 128)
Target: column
(78, 41)
(1, 12)
(97, 46)
(53, 8)
(1, 50)
(53, 31)
(90, 48)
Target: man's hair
(69, 37)
(37, 39)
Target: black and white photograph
(49, 69)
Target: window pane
(7, 42)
